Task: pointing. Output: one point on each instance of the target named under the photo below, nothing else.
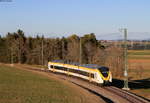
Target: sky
(66, 17)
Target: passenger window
(92, 75)
(51, 66)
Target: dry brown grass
(18, 85)
(139, 60)
(139, 69)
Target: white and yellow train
(90, 72)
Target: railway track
(132, 98)
(111, 93)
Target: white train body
(90, 72)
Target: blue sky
(66, 17)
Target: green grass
(19, 86)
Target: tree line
(17, 48)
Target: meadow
(139, 63)
(20, 86)
(139, 71)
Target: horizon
(137, 36)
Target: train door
(95, 75)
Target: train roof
(93, 66)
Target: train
(93, 73)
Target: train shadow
(133, 84)
(140, 84)
(117, 83)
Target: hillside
(20, 86)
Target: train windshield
(104, 71)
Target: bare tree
(114, 60)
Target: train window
(84, 73)
(92, 75)
(60, 68)
(79, 72)
(51, 66)
(104, 71)
(73, 70)
(105, 74)
(65, 69)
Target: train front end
(105, 75)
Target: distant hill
(120, 36)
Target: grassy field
(139, 63)
(139, 70)
(139, 54)
(19, 86)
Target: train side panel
(98, 77)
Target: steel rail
(132, 98)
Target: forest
(18, 48)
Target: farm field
(139, 71)
(20, 86)
(139, 63)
